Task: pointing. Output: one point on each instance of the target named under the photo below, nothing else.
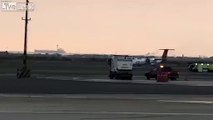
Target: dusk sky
(133, 27)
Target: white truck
(121, 67)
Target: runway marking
(58, 78)
(108, 113)
(98, 80)
(8, 74)
(142, 81)
(187, 101)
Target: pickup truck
(172, 75)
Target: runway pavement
(82, 85)
(139, 81)
(63, 90)
(105, 107)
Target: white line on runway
(8, 74)
(141, 81)
(187, 101)
(94, 96)
(108, 113)
(99, 80)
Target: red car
(173, 75)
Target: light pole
(24, 72)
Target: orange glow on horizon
(133, 27)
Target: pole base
(23, 72)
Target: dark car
(173, 75)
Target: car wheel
(111, 76)
(117, 77)
(173, 78)
(147, 77)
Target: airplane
(152, 60)
(139, 61)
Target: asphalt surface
(90, 77)
(105, 107)
(69, 95)
(40, 84)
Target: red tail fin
(165, 53)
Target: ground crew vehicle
(121, 67)
(171, 74)
(201, 67)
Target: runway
(139, 80)
(76, 95)
(58, 84)
(136, 79)
(105, 107)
